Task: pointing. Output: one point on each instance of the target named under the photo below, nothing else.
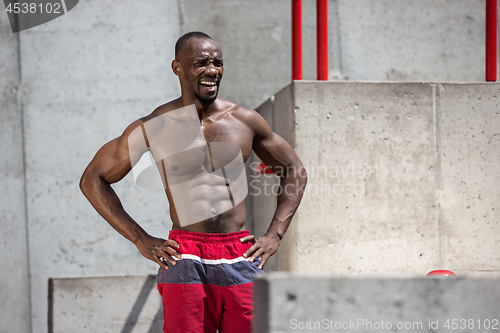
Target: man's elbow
(87, 182)
(84, 183)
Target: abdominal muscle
(207, 207)
(198, 193)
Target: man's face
(202, 65)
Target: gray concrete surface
(402, 177)
(14, 286)
(89, 73)
(297, 303)
(469, 149)
(122, 304)
(412, 40)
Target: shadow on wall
(105, 304)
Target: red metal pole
(491, 40)
(296, 39)
(322, 38)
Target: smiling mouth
(209, 85)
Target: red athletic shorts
(211, 287)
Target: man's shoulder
(162, 109)
(242, 113)
(250, 118)
(136, 124)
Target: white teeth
(208, 83)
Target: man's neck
(204, 109)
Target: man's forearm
(105, 201)
(292, 187)
(292, 190)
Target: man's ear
(176, 67)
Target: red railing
(491, 40)
(296, 39)
(321, 39)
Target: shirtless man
(207, 264)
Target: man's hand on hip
(159, 250)
(264, 247)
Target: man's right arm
(111, 164)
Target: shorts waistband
(224, 237)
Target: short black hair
(182, 41)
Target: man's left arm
(280, 158)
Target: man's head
(199, 66)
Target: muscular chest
(186, 147)
(228, 132)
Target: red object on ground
(261, 168)
(441, 272)
(296, 39)
(491, 40)
(322, 38)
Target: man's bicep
(117, 157)
(271, 148)
(276, 153)
(111, 162)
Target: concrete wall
(80, 79)
(402, 177)
(88, 75)
(412, 40)
(336, 304)
(14, 286)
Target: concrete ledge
(122, 304)
(297, 303)
(402, 177)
